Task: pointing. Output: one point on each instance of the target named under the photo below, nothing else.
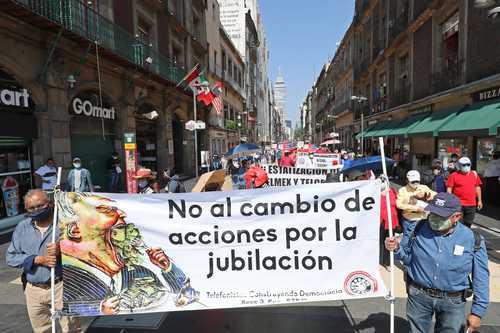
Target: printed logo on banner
(360, 283)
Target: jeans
(449, 312)
(114, 179)
(469, 214)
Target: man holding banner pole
(439, 256)
(33, 250)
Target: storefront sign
(488, 94)
(130, 161)
(14, 98)
(202, 251)
(86, 108)
(422, 110)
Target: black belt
(436, 293)
(46, 285)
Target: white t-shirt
(78, 179)
(48, 175)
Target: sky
(302, 36)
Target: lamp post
(360, 100)
(493, 13)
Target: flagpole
(195, 137)
(53, 269)
(390, 297)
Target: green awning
(479, 116)
(390, 126)
(406, 125)
(433, 122)
(367, 133)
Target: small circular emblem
(360, 283)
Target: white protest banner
(124, 253)
(290, 176)
(318, 161)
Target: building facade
(425, 76)
(78, 76)
(225, 65)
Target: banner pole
(195, 137)
(53, 269)
(390, 297)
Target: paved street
(352, 316)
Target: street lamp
(360, 100)
(493, 13)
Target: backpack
(477, 246)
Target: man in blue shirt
(438, 258)
(31, 249)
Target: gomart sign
(126, 253)
(290, 176)
(85, 107)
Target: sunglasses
(415, 182)
(466, 164)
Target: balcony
(449, 77)
(346, 106)
(399, 25)
(83, 24)
(379, 105)
(361, 109)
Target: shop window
(15, 175)
(484, 153)
(446, 147)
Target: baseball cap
(444, 204)
(464, 160)
(413, 176)
(76, 159)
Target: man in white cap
(411, 200)
(466, 185)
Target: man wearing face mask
(411, 200)
(466, 185)
(439, 257)
(31, 249)
(79, 179)
(145, 180)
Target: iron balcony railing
(400, 96)
(78, 18)
(449, 77)
(399, 25)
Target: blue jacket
(444, 262)
(85, 183)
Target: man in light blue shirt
(439, 257)
(31, 250)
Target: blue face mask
(41, 214)
(465, 169)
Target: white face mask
(77, 165)
(413, 185)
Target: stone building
(427, 77)
(227, 66)
(75, 77)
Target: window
(450, 42)
(235, 73)
(144, 31)
(230, 68)
(196, 27)
(215, 61)
(223, 62)
(213, 11)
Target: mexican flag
(198, 83)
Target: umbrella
(368, 163)
(330, 142)
(243, 149)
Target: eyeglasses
(35, 208)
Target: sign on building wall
(487, 94)
(130, 161)
(88, 104)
